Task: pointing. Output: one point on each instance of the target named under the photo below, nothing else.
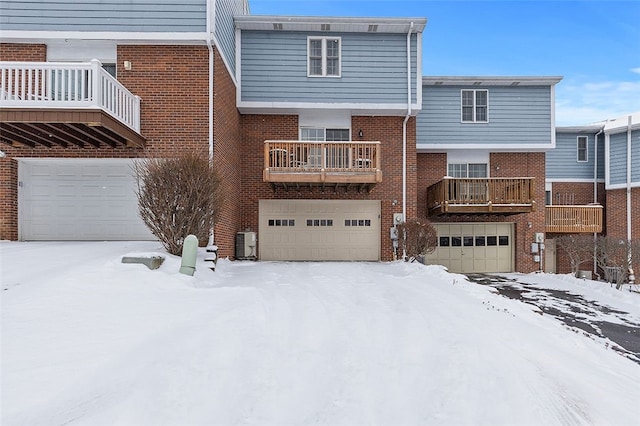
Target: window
(582, 149)
(319, 134)
(474, 106)
(337, 156)
(324, 57)
(467, 170)
(282, 222)
(319, 222)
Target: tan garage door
(474, 247)
(319, 230)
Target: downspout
(404, 133)
(595, 194)
(595, 165)
(211, 13)
(631, 275)
(404, 126)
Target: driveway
(574, 310)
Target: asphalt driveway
(574, 310)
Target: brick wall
(575, 193)
(388, 130)
(227, 158)
(8, 199)
(20, 52)
(616, 213)
(173, 83)
(432, 167)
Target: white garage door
(319, 230)
(474, 247)
(78, 199)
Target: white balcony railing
(67, 85)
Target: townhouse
(86, 90)
(324, 129)
(481, 171)
(592, 181)
(328, 110)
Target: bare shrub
(579, 248)
(612, 256)
(177, 197)
(417, 237)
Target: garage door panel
(474, 247)
(79, 199)
(319, 231)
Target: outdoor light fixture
(360, 133)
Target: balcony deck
(296, 164)
(574, 219)
(62, 104)
(481, 196)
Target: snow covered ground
(87, 340)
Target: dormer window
(324, 57)
(474, 106)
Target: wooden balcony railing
(481, 195)
(59, 85)
(573, 219)
(321, 163)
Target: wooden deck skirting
(320, 163)
(574, 219)
(481, 195)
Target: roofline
(245, 21)
(490, 80)
(591, 128)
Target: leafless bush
(417, 237)
(177, 197)
(579, 248)
(612, 256)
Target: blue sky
(593, 45)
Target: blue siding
(618, 159)
(517, 115)
(374, 69)
(562, 162)
(104, 15)
(225, 29)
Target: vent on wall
(373, 28)
(277, 26)
(325, 27)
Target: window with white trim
(467, 170)
(333, 156)
(582, 149)
(474, 106)
(322, 134)
(324, 57)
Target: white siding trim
(553, 115)
(158, 37)
(419, 70)
(607, 176)
(394, 109)
(511, 147)
(238, 76)
(573, 180)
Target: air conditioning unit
(246, 245)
